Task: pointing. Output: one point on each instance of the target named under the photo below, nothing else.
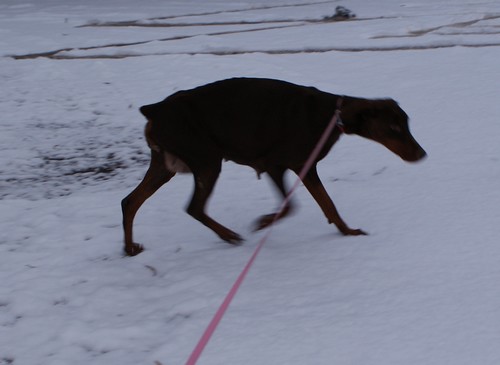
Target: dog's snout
(421, 154)
(417, 155)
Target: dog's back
(250, 121)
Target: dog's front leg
(317, 190)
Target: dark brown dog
(269, 125)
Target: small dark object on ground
(341, 13)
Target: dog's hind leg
(277, 175)
(317, 190)
(204, 182)
(155, 177)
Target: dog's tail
(149, 112)
(172, 162)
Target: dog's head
(385, 122)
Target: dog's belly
(174, 163)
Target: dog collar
(340, 124)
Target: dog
(269, 125)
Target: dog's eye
(395, 128)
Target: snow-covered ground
(422, 288)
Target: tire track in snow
(219, 12)
(62, 54)
(422, 32)
(56, 56)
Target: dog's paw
(133, 249)
(232, 238)
(354, 232)
(264, 221)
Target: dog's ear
(362, 114)
(357, 116)
(369, 112)
(374, 109)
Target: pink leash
(234, 289)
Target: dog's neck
(349, 107)
(340, 124)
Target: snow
(422, 288)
